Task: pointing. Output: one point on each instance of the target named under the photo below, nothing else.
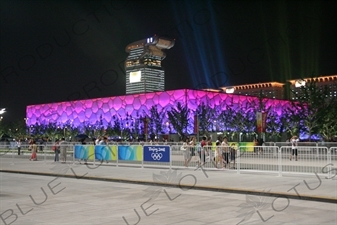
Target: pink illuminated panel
(93, 110)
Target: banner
(259, 122)
(261, 118)
(106, 152)
(196, 124)
(157, 153)
(84, 152)
(130, 152)
(264, 119)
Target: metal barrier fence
(274, 159)
(44, 153)
(262, 158)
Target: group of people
(224, 153)
(101, 141)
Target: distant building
(330, 81)
(144, 72)
(273, 90)
(277, 90)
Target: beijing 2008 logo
(156, 156)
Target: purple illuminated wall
(93, 110)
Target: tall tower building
(144, 72)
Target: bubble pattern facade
(92, 111)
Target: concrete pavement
(295, 186)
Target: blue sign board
(156, 153)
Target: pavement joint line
(187, 187)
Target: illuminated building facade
(330, 81)
(130, 108)
(144, 72)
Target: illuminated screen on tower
(135, 76)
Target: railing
(44, 152)
(269, 158)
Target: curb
(188, 187)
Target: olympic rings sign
(156, 153)
(156, 156)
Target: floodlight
(230, 90)
(299, 83)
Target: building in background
(278, 90)
(330, 81)
(144, 72)
(272, 90)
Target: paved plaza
(44, 192)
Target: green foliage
(156, 120)
(328, 122)
(206, 117)
(244, 119)
(178, 117)
(226, 117)
(312, 107)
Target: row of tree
(312, 112)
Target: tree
(156, 121)
(206, 116)
(117, 127)
(328, 125)
(178, 117)
(274, 125)
(291, 121)
(225, 118)
(313, 104)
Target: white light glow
(300, 83)
(135, 76)
(230, 90)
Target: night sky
(53, 51)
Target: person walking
(218, 155)
(186, 151)
(233, 153)
(18, 144)
(256, 144)
(193, 148)
(104, 141)
(33, 157)
(63, 150)
(225, 151)
(56, 149)
(203, 150)
(294, 142)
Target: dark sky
(53, 51)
